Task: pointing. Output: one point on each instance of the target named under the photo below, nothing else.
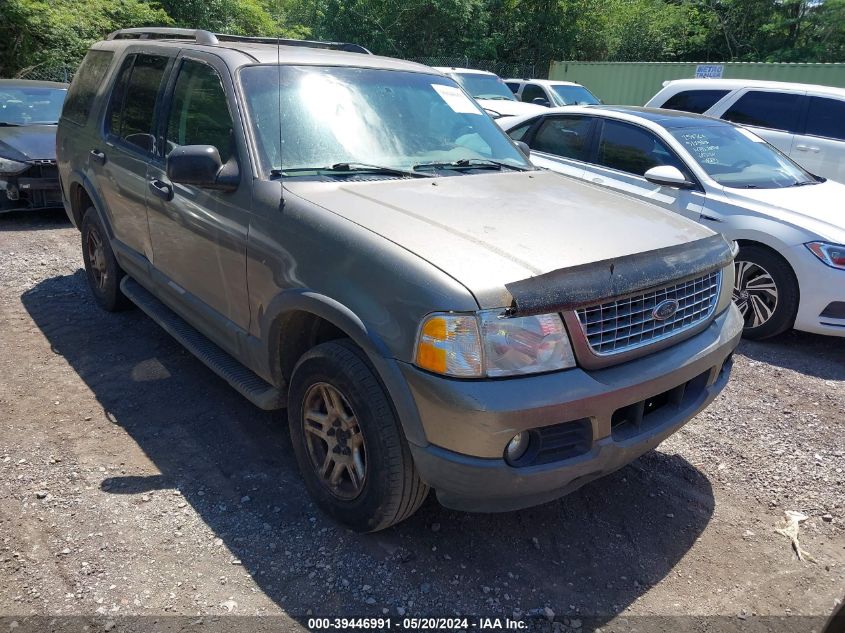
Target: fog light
(517, 446)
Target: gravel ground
(133, 481)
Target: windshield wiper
(804, 183)
(351, 168)
(470, 163)
(7, 124)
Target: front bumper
(819, 287)
(29, 191)
(468, 423)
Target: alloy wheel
(754, 293)
(334, 441)
(97, 258)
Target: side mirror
(200, 165)
(540, 101)
(668, 176)
(523, 147)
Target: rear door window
(133, 103)
(634, 150)
(697, 101)
(89, 76)
(773, 110)
(566, 136)
(826, 118)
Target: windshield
(736, 158)
(485, 86)
(574, 95)
(26, 106)
(346, 116)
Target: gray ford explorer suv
(350, 238)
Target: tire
(367, 435)
(102, 270)
(765, 291)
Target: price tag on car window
(456, 99)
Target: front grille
(622, 325)
(42, 169)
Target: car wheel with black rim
(765, 291)
(101, 267)
(348, 443)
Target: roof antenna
(279, 97)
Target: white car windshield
(736, 158)
(485, 86)
(574, 95)
(342, 119)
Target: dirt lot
(134, 481)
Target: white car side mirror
(668, 176)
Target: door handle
(598, 181)
(161, 189)
(98, 156)
(807, 148)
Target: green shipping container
(634, 83)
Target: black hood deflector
(579, 286)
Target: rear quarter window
(697, 101)
(83, 89)
(773, 110)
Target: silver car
(352, 239)
(790, 270)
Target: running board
(254, 388)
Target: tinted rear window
(82, 91)
(564, 136)
(773, 110)
(697, 101)
(133, 101)
(826, 117)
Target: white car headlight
(11, 167)
(486, 344)
(831, 254)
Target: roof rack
(213, 39)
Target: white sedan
(789, 224)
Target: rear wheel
(765, 291)
(348, 443)
(101, 267)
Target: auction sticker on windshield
(456, 99)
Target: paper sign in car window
(456, 99)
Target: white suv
(490, 92)
(549, 93)
(804, 121)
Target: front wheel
(350, 448)
(765, 291)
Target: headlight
(831, 254)
(11, 167)
(485, 344)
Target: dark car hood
(28, 142)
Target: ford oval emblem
(665, 309)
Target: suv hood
(489, 230)
(816, 208)
(28, 142)
(506, 107)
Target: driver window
(634, 150)
(533, 91)
(200, 114)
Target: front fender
(342, 317)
